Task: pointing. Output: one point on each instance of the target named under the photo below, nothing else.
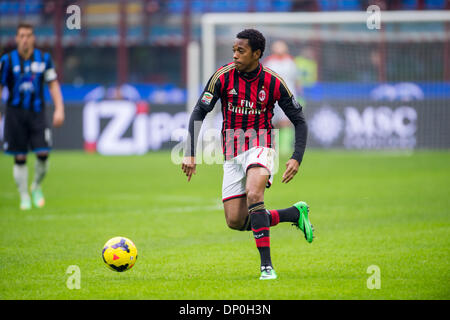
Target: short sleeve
(49, 72)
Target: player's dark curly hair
(255, 39)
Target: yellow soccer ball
(119, 254)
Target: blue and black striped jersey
(25, 78)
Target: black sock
(290, 214)
(260, 223)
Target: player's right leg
(15, 143)
(246, 212)
(257, 180)
(236, 213)
(234, 197)
(20, 173)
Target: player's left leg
(40, 141)
(298, 215)
(40, 170)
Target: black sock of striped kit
(260, 223)
(290, 214)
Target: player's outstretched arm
(55, 93)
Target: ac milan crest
(262, 95)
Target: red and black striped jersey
(247, 104)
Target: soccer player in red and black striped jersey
(248, 92)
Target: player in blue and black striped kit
(24, 71)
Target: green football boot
(38, 197)
(303, 220)
(267, 273)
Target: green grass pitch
(388, 209)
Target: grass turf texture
(377, 208)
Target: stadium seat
(263, 5)
(339, 5)
(281, 5)
(409, 4)
(349, 5)
(199, 6)
(326, 5)
(16, 8)
(229, 6)
(435, 4)
(174, 6)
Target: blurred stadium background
(386, 88)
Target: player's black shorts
(25, 130)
